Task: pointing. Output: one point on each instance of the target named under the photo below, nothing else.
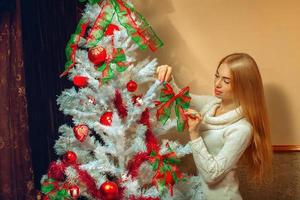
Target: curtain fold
(47, 27)
(16, 174)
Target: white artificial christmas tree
(111, 151)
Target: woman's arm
(214, 168)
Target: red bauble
(109, 190)
(106, 118)
(131, 86)
(56, 171)
(80, 81)
(97, 55)
(74, 191)
(81, 132)
(70, 157)
(110, 29)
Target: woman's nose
(218, 83)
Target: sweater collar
(221, 120)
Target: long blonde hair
(248, 91)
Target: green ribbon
(49, 189)
(91, 1)
(72, 45)
(103, 20)
(48, 186)
(118, 59)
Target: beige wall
(198, 33)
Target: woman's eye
(227, 82)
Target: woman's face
(222, 83)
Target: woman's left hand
(194, 120)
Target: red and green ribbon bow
(167, 173)
(50, 187)
(182, 102)
(134, 23)
(118, 58)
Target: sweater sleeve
(214, 167)
(197, 101)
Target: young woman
(231, 124)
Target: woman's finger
(157, 70)
(193, 117)
(161, 74)
(168, 74)
(191, 111)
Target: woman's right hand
(194, 121)
(164, 73)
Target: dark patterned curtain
(16, 174)
(47, 27)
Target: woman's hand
(194, 120)
(164, 73)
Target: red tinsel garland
(143, 198)
(56, 171)
(135, 163)
(122, 111)
(151, 143)
(88, 181)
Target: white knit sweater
(216, 152)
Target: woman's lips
(218, 92)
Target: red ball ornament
(74, 191)
(80, 81)
(109, 190)
(110, 29)
(97, 55)
(106, 118)
(131, 86)
(81, 132)
(70, 157)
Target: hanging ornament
(110, 29)
(106, 118)
(80, 81)
(131, 86)
(74, 191)
(92, 100)
(81, 132)
(97, 55)
(182, 102)
(70, 157)
(137, 100)
(109, 190)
